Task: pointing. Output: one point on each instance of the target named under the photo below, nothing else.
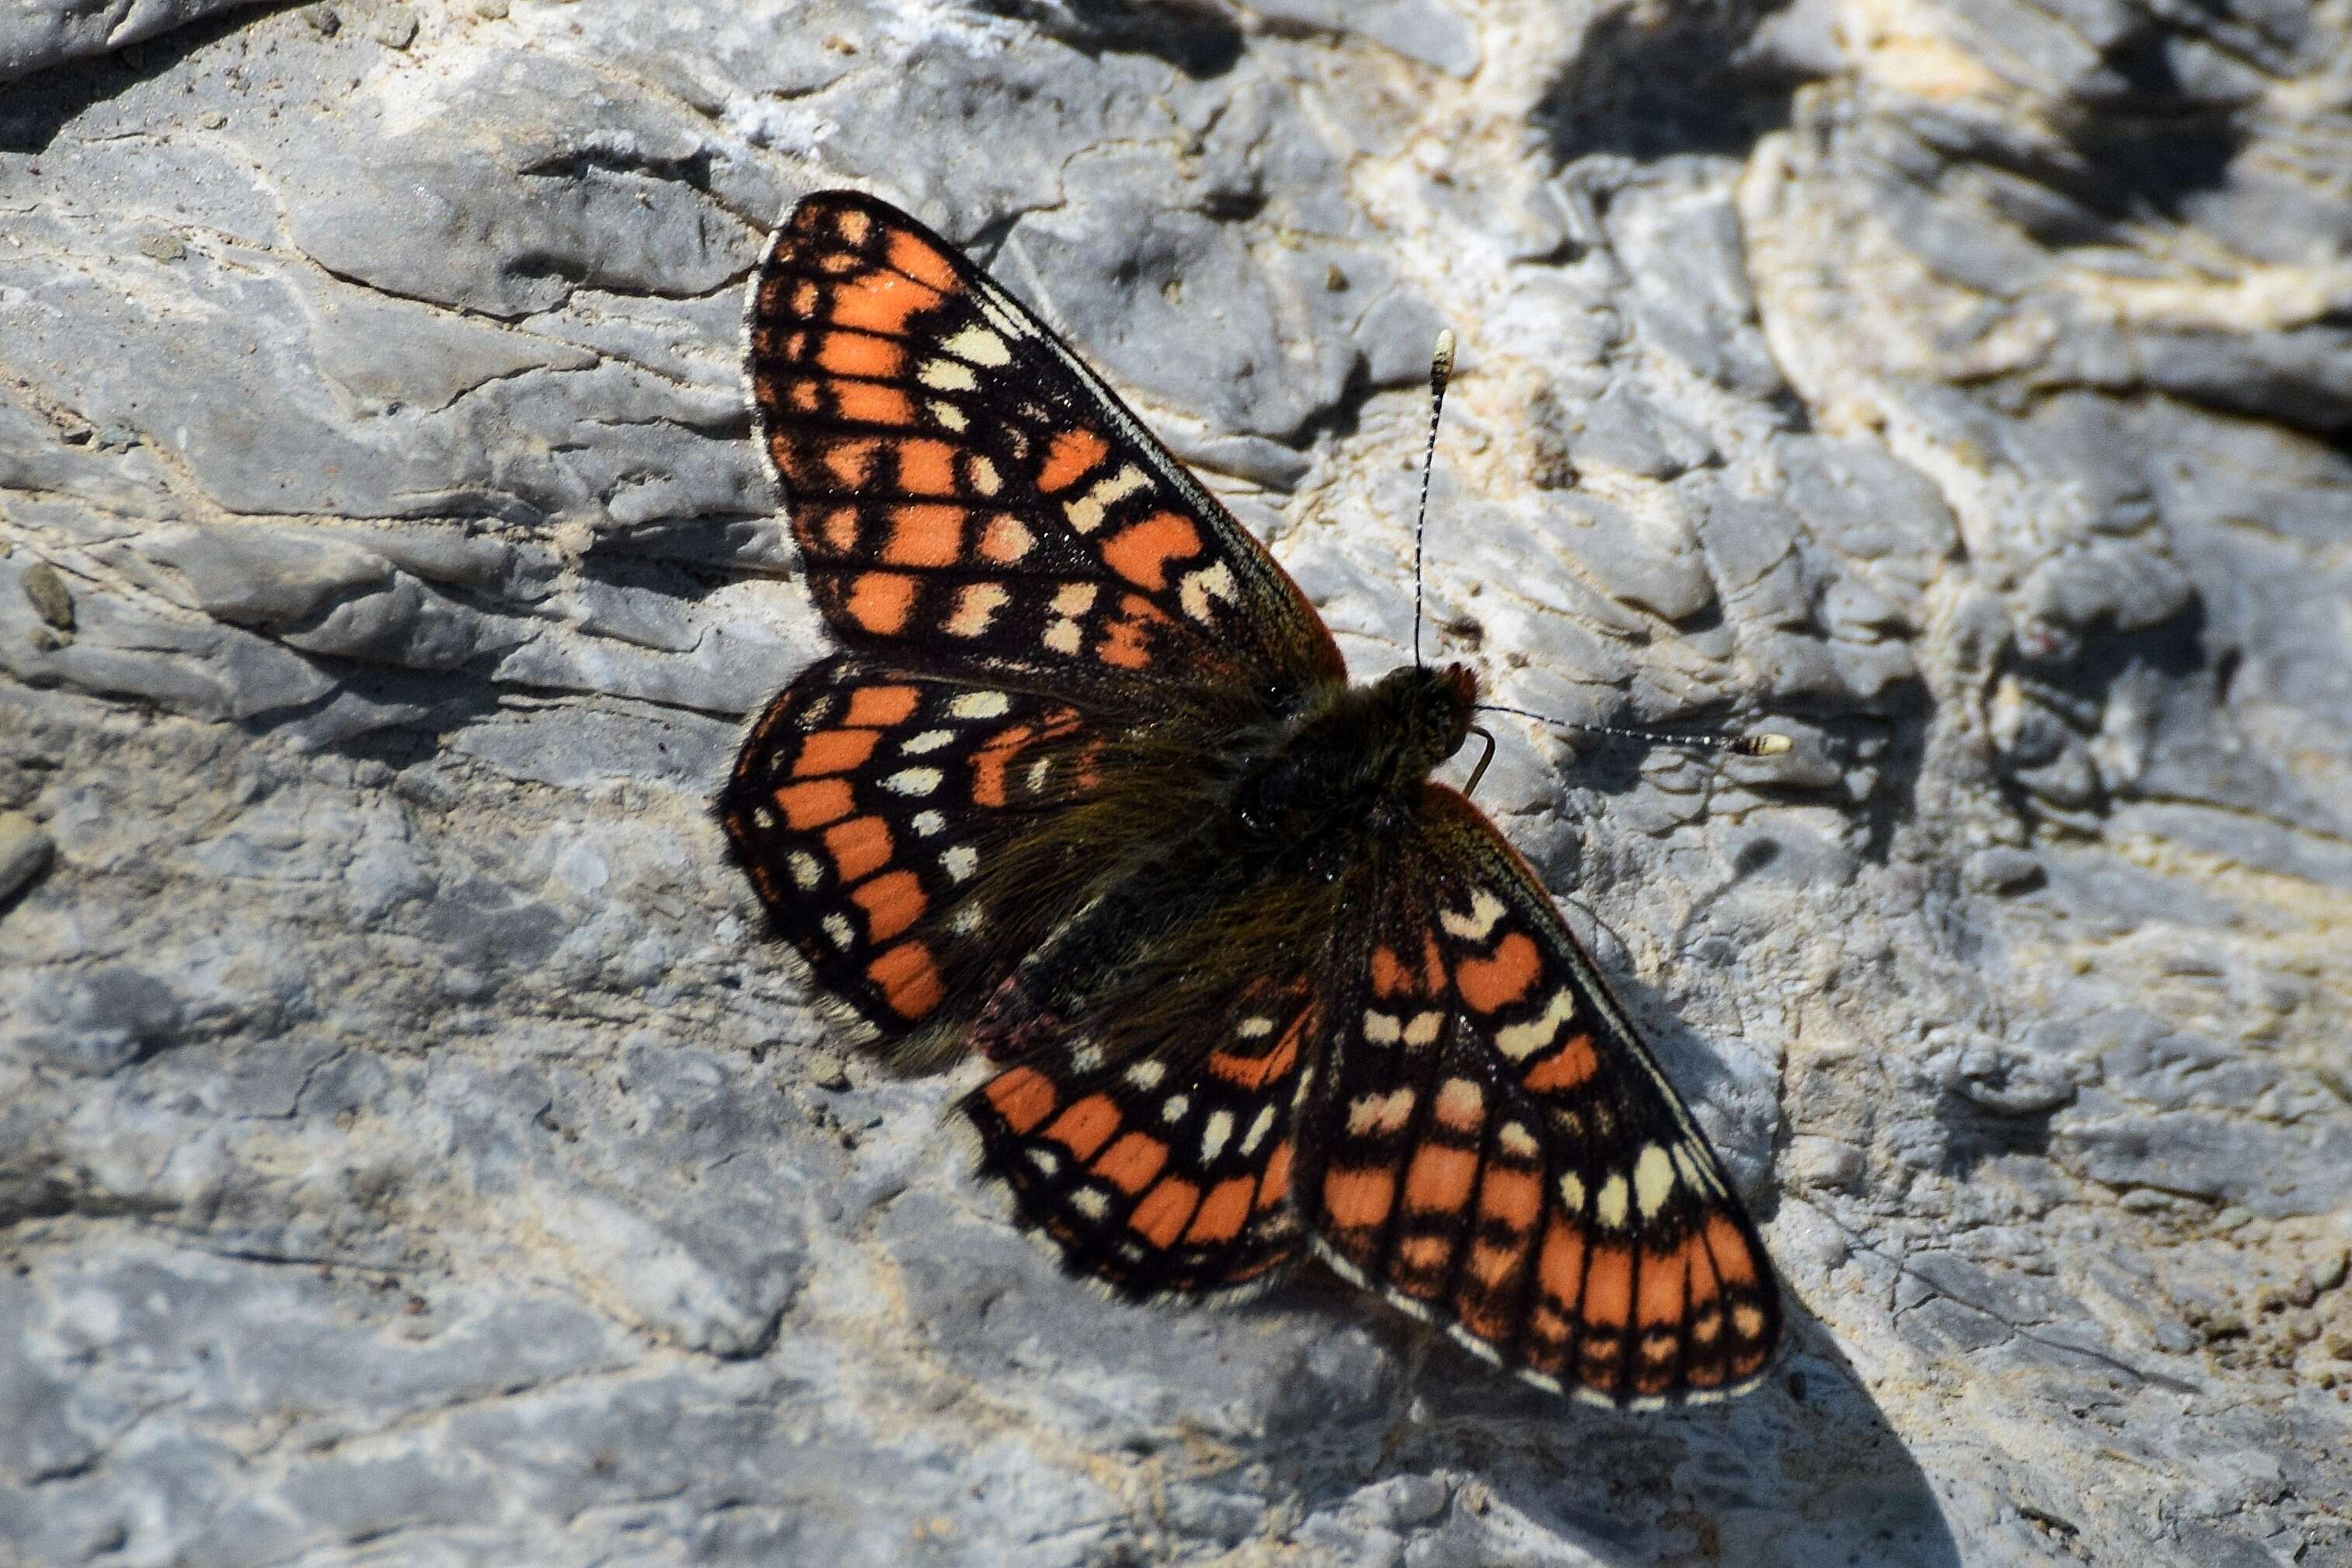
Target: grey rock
(411, 1149)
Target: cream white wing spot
(1258, 1129)
(1255, 1028)
(946, 376)
(1520, 1041)
(981, 705)
(1461, 1103)
(967, 920)
(984, 476)
(1423, 1028)
(915, 781)
(1087, 512)
(1145, 1074)
(1654, 1179)
(960, 862)
(1485, 909)
(1517, 1141)
(928, 740)
(837, 927)
(928, 823)
(1608, 1205)
(1571, 1192)
(976, 606)
(1090, 1201)
(1044, 1158)
(1474, 1344)
(1374, 1114)
(1175, 1107)
(1382, 1028)
(978, 346)
(1197, 592)
(807, 874)
(1087, 1058)
(1214, 1135)
(949, 416)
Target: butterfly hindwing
(866, 808)
(965, 492)
(1166, 1172)
(1488, 1143)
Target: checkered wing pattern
(966, 494)
(867, 806)
(1488, 1144)
(1164, 1174)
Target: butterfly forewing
(1488, 1143)
(965, 492)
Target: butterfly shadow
(1804, 1469)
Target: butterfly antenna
(1759, 745)
(1440, 371)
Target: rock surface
(408, 1153)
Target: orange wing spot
(1124, 644)
(858, 848)
(849, 461)
(1256, 1072)
(1662, 1296)
(1388, 973)
(929, 534)
(1223, 1213)
(1704, 1373)
(1481, 1319)
(1423, 1255)
(834, 751)
(881, 707)
(1160, 1217)
(1439, 1179)
(1023, 1096)
(1491, 1266)
(1275, 1186)
(919, 261)
(910, 981)
(989, 763)
(1566, 1068)
(1488, 984)
(892, 903)
(1562, 1268)
(926, 467)
(868, 403)
(1004, 540)
(1131, 1162)
(880, 302)
(1433, 967)
(1073, 454)
(1359, 1199)
(836, 529)
(1733, 1264)
(1514, 1197)
(1141, 553)
(814, 803)
(804, 396)
(879, 602)
(861, 353)
(1609, 1287)
(1086, 1126)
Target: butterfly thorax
(1357, 757)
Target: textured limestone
(408, 1153)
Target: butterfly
(1086, 791)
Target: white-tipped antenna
(1440, 371)
(1764, 745)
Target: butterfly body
(1086, 793)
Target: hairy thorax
(1356, 760)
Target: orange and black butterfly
(1087, 788)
